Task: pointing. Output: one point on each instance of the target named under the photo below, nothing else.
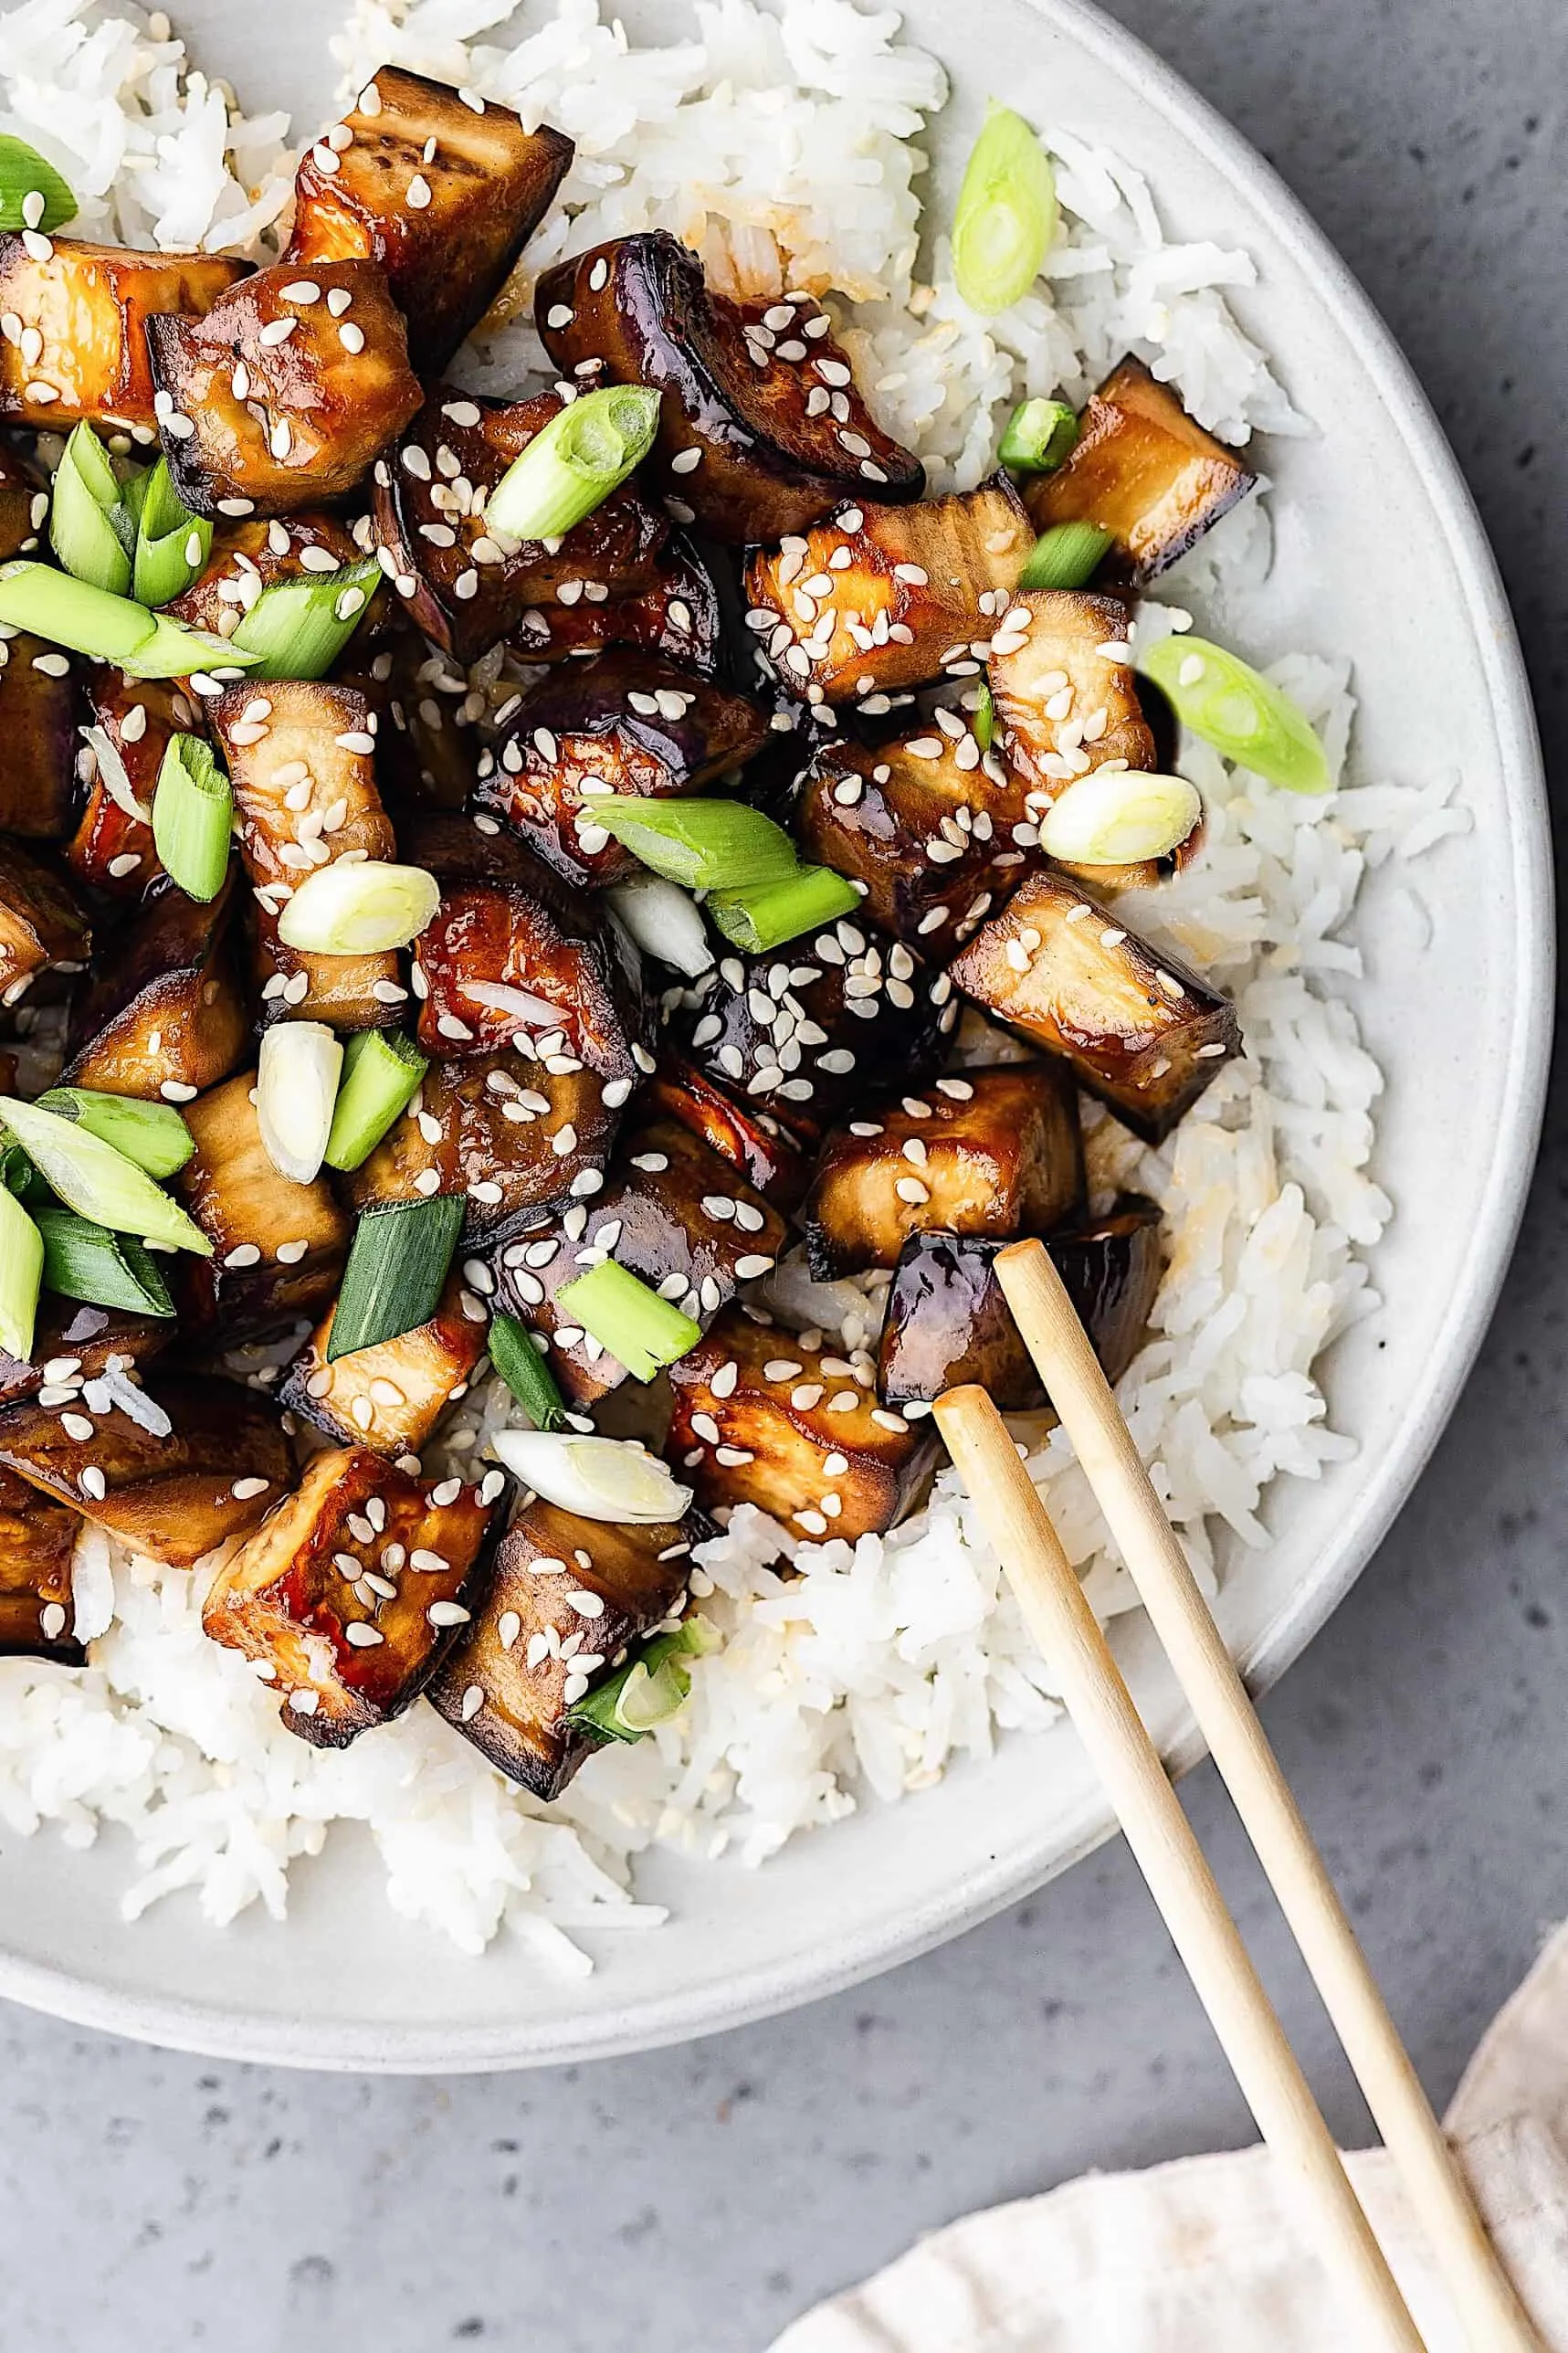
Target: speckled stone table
(694, 2201)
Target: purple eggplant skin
(1111, 1266)
(679, 615)
(24, 508)
(39, 712)
(948, 1323)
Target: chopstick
(1493, 2319)
(1166, 1849)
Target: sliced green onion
(1006, 215)
(1241, 713)
(702, 845)
(573, 464)
(174, 650)
(1041, 436)
(664, 920)
(1116, 817)
(397, 1267)
(21, 1276)
(192, 815)
(17, 1173)
(87, 1262)
(92, 621)
(983, 726)
(98, 1182)
(297, 628)
(171, 544)
(648, 1689)
(152, 1135)
(643, 1331)
(382, 1069)
(525, 1373)
(84, 500)
(359, 907)
(757, 920)
(1065, 556)
(614, 1479)
(297, 1077)
(32, 193)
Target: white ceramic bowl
(1381, 555)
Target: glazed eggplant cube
(1143, 471)
(76, 319)
(251, 425)
(1140, 1030)
(223, 1464)
(762, 1418)
(248, 558)
(881, 598)
(355, 1587)
(805, 1032)
(750, 1143)
(389, 1397)
(762, 429)
(42, 922)
(279, 1247)
(1065, 695)
(39, 693)
(994, 1153)
(461, 586)
(677, 615)
(497, 963)
(23, 510)
(567, 1596)
(443, 191)
(671, 1213)
(74, 1343)
(162, 1015)
(426, 743)
(37, 1541)
(948, 1321)
(1112, 1267)
(521, 1142)
(110, 849)
(628, 723)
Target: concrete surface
(692, 2201)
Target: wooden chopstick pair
(1162, 1840)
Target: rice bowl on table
(682, 679)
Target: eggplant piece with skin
(1139, 1029)
(1143, 471)
(497, 963)
(76, 318)
(223, 1464)
(162, 1016)
(881, 598)
(762, 1418)
(1065, 695)
(627, 724)
(248, 558)
(567, 1596)
(40, 689)
(23, 510)
(111, 848)
(74, 1343)
(463, 588)
(987, 1152)
(1111, 1266)
(37, 1539)
(389, 1397)
(43, 924)
(279, 1247)
(443, 190)
(751, 1143)
(678, 616)
(427, 742)
(762, 429)
(254, 425)
(355, 1587)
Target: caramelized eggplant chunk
(112, 848)
(762, 1418)
(628, 723)
(355, 1587)
(39, 688)
(763, 428)
(673, 1214)
(37, 1541)
(1141, 1030)
(248, 557)
(1144, 471)
(77, 318)
(23, 510)
(74, 1343)
(279, 1247)
(948, 1321)
(255, 425)
(462, 587)
(1111, 1266)
(222, 1462)
(1065, 699)
(753, 1144)
(926, 824)
(992, 1152)
(389, 1397)
(804, 1033)
(879, 599)
(521, 1141)
(42, 922)
(567, 1596)
(444, 192)
(426, 747)
(497, 963)
(678, 616)
(162, 1015)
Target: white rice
(779, 148)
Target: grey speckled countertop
(699, 2198)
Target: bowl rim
(177, 2023)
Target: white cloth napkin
(1211, 2255)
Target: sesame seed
(245, 1490)
(418, 192)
